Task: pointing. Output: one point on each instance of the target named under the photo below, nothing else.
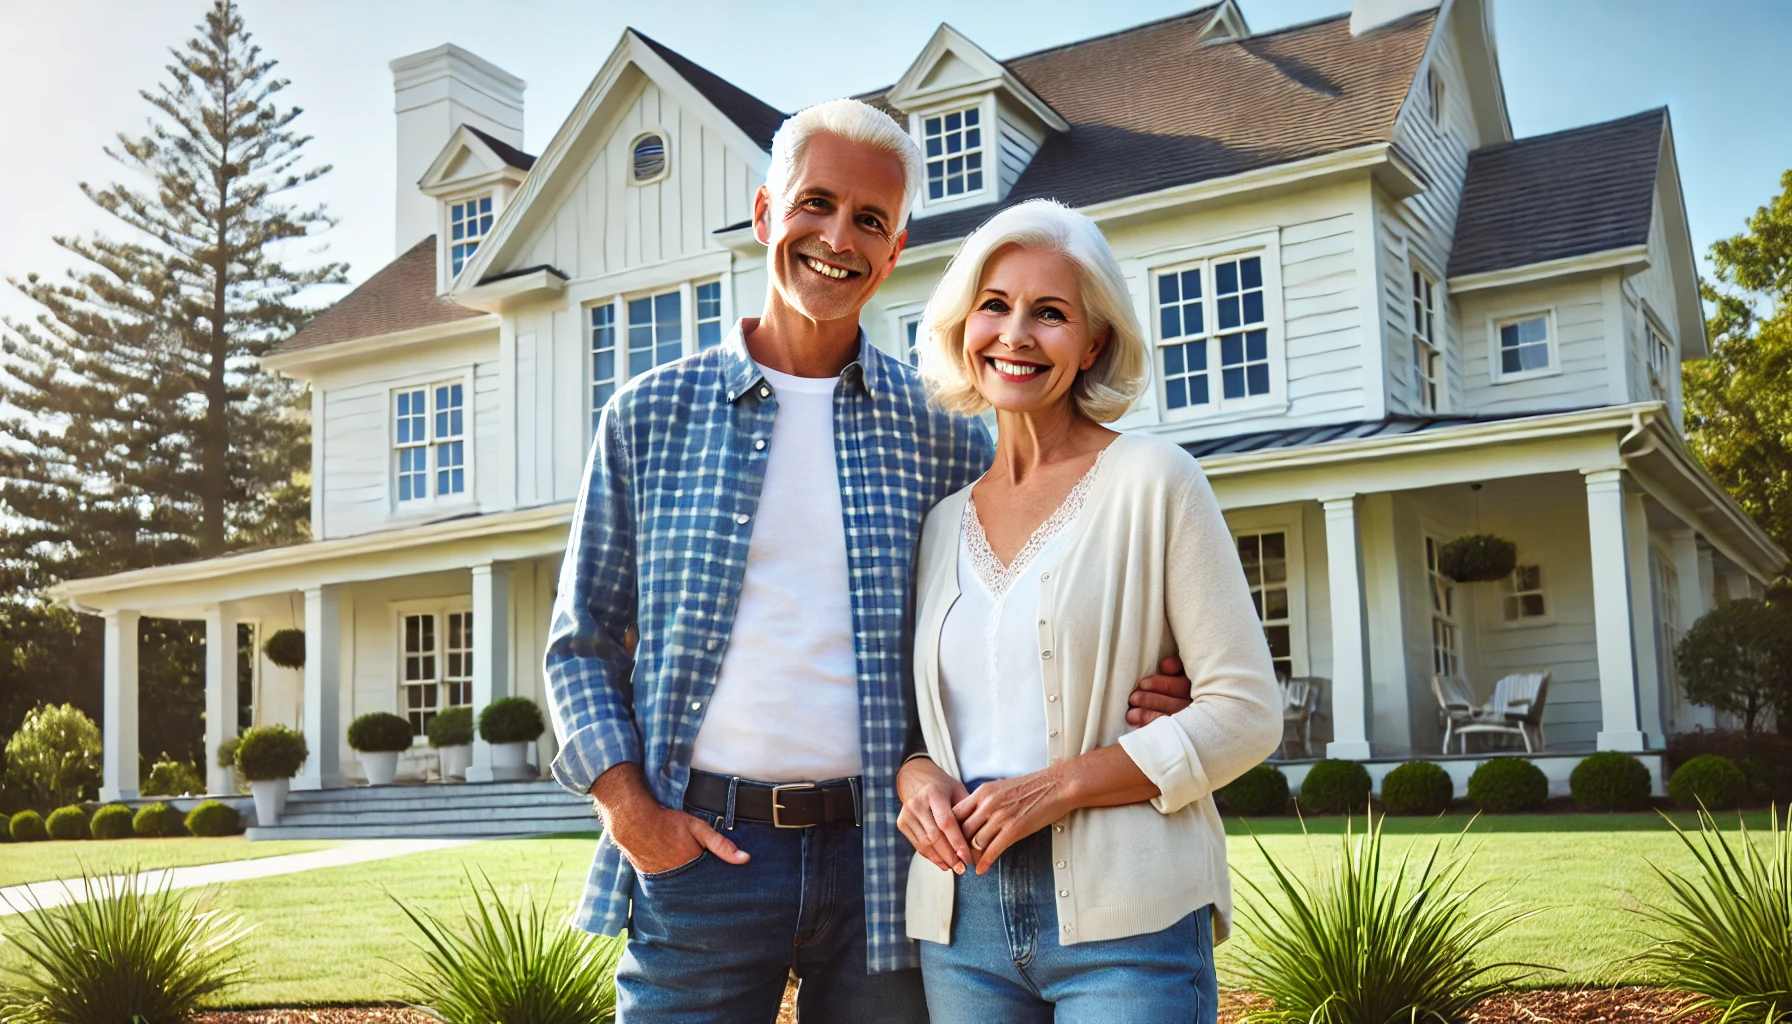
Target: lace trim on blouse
(995, 576)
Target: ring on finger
(976, 844)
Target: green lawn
(327, 935)
(47, 861)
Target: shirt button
(731, 396)
(742, 518)
(759, 446)
(764, 392)
(696, 705)
(713, 644)
(1057, 828)
(1053, 698)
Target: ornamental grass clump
(1261, 791)
(121, 952)
(512, 964)
(1726, 932)
(1610, 781)
(1372, 942)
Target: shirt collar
(740, 373)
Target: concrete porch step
(530, 807)
(439, 829)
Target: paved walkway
(18, 899)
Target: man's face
(832, 234)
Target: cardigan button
(1064, 893)
(1044, 576)
(1047, 655)
(1054, 733)
(1057, 828)
(1053, 698)
(1063, 864)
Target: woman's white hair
(1105, 390)
(855, 122)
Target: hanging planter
(1478, 558)
(286, 648)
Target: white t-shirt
(786, 703)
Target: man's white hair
(855, 122)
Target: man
(753, 511)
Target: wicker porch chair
(1516, 708)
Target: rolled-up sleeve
(588, 665)
(1234, 720)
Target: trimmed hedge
(379, 732)
(67, 823)
(1710, 779)
(214, 818)
(1610, 781)
(227, 752)
(1335, 786)
(1417, 787)
(27, 827)
(451, 728)
(1507, 785)
(5, 828)
(270, 752)
(113, 821)
(511, 720)
(1261, 791)
(157, 820)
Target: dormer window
(468, 221)
(954, 146)
(648, 159)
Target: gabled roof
(509, 154)
(1152, 108)
(1550, 197)
(760, 120)
(402, 296)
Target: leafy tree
(1738, 659)
(54, 757)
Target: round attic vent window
(649, 158)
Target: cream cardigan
(1149, 570)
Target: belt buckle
(776, 806)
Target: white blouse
(992, 692)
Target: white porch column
(1620, 728)
(323, 695)
(220, 693)
(1350, 688)
(1645, 625)
(119, 733)
(491, 653)
(1689, 569)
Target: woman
(1078, 870)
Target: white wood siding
(356, 461)
(1016, 151)
(1582, 335)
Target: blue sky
(70, 71)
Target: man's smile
(828, 269)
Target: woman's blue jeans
(1005, 965)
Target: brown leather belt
(784, 805)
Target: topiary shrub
(27, 827)
(168, 777)
(1712, 780)
(1478, 558)
(1417, 787)
(157, 820)
(67, 823)
(1508, 785)
(286, 648)
(227, 752)
(270, 752)
(1335, 786)
(1610, 781)
(214, 818)
(511, 720)
(113, 821)
(451, 728)
(379, 732)
(1261, 791)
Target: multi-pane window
(631, 336)
(429, 435)
(709, 314)
(603, 358)
(1265, 560)
(1446, 649)
(457, 676)
(1523, 598)
(436, 652)
(245, 675)
(1660, 360)
(954, 146)
(1427, 359)
(655, 332)
(1210, 317)
(1524, 345)
(468, 222)
(1667, 589)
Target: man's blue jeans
(713, 942)
(1005, 965)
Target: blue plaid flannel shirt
(659, 541)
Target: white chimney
(1372, 14)
(434, 93)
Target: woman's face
(1028, 335)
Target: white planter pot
(381, 766)
(455, 760)
(270, 800)
(511, 761)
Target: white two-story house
(1381, 322)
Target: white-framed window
(435, 664)
(430, 441)
(655, 331)
(648, 160)
(708, 298)
(1523, 598)
(1446, 642)
(1434, 93)
(1524, 346)
(1264, 557)
(603, 357)
(952, 142)
(1661, 361)
(1427, 348)
(1667, 596)
(469, 221)
(247, 666)
(633, 334)
(909, 330)
(1213, 335)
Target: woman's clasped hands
(956, 829)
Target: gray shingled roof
(506, 152)
(1549, 197)
(1301, 437)
(760, 120)
(400, 297)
